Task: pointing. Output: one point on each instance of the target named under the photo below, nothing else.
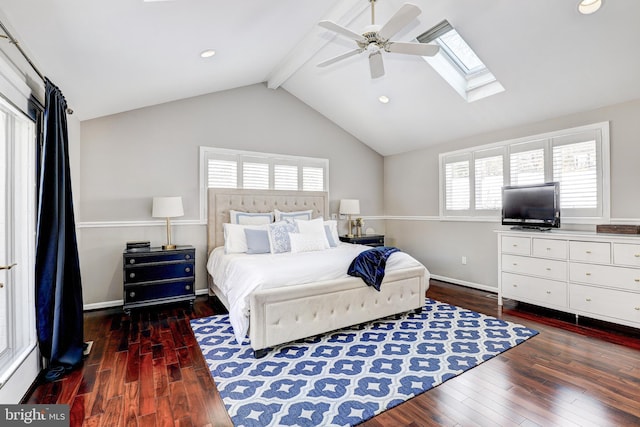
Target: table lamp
(167, 207)
(349, 207)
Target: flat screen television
(531, 206)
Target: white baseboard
(479, 286)
(120, 303)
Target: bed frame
(291, 313)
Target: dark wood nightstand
(157, 276)
(365, 239)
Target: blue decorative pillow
(257, 241)
(279, 236)
(250, 218)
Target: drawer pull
(132, 294)
(187, 287)
(132, 275)
(548, 292)
(187, 256)
(548, 249)
(548, 268)
(637, 280)
(588, 274)
(588, 299)
(187, 270)
(637, 255)
(588, 252)
(515, 263)
(515, 245)
(515, 286)
(637, 308)
(132, 261)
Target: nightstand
(157, 276)
(365, 239)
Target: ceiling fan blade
(339, 57)
(403, 16)
(421, 49)
(375, 65)
(332, 26)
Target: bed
(277, 315)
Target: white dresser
(589, 274)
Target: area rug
(346, 377)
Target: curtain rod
(14, 42)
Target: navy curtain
(59, 318)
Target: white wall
(127, 158)
(440, 245)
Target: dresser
(589, 274)
(365, 239)
(157, 276)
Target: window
(577, 158)
(458, 64)
(223, 168)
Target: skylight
(458, 64)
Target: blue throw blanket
(370, 264)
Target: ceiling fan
(375, 39)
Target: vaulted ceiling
(118, 55)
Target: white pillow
(250, 218)
(314, 226)
(331, 229)
(292, 215)
(307, 242)
(235, 240)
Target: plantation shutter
(488, 179)
(285, 177)
(526, 163)
(312, 178)
(457, 184)
(255, 175)
(222, 173)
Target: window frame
(271, 159)
(547, 141)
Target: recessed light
(207, 53)
(384, 99)
(587, 7)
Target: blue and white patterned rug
(346, 377)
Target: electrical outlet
(464, 260)
(334, 216)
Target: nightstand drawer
(160, 271)
(155, 291)
(143, 258)
(369, 240)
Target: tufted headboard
(222, 200)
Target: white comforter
(237, 275)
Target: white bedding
(238, 275)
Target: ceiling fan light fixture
(587, 7)
(383, 99)
(207, 53)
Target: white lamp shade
(350, 206)
(167, 207)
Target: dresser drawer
(626, 254)
(156, 291)
(163, 271)
(167, 256)
(605, 275)
(547, 268)
(550, 248)
(549, 293)
(605, 302)
(516, 245)
(590, 251)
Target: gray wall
(127, 158)
(411, 189)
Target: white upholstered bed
(280, 315)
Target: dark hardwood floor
(147, 370)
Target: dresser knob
(588, 274)
(548, 249)
(515, 286)
(588, 252)
(588, 299)
(548, 268)
(637, 308)
(187, 256)
(515, 245)
(637, 280)
(515, 263)
(548, 292)
(187, 287)
(132, 261)
(132, 294)
(187, 270)
(132, 275)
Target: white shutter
(312, 178)
(457, 186)
(255, 175)
(285, 177)
(526, 165)
(488, 182)
(222, 173)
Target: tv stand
(584, 273)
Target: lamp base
(168, 247)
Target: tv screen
(531, 206)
